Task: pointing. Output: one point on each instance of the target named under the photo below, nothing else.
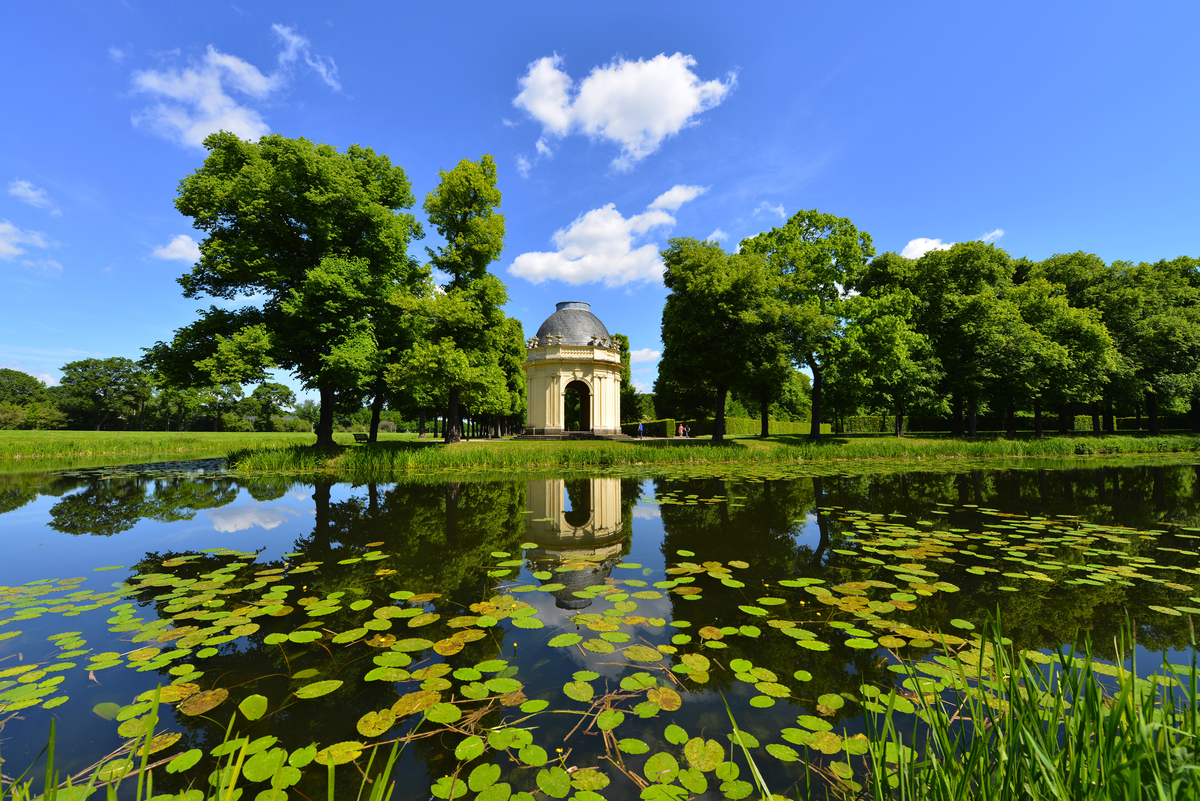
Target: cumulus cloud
(716, 236)
(634, 104)
(643, 355)
(13, 238)
(917, 248)
(181, 248)
(26, 192)
(676, 196)
(767, 208)
(197, 100)
(599, 247)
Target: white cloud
(195, 101)
(767, 208)
(47, 379)
(598, 246)
(240, 518)
(635, 104)
(646, 511)
(643, 355)
(716, 236)
(28, 193)
(917, 248)
(296, 46)
(12, 238)
(117, 54)
(523, 166)
(181, 248)
(676, 196)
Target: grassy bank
(394, 458)
(56, 444)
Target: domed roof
(574, 321)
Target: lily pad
(317, 689)
(203, 702)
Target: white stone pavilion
(573, 350)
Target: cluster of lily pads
(488, 714)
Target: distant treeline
(959, 338)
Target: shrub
(235, 422)
(292, 425)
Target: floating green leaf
(317, 689)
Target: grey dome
(574, 321)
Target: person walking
(639, 431)
(679, 433)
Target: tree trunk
(822, 521)
(421, 424)
(325, 421)
(453, 431)
(1011, 420)
(818, 383)
(956, 415)
(765, 412)
(1037, 417)
(973, 416)
(1095, 410)
(1110, 423)
(1152, 411)
(718, 434)
(900, 420)
(376, 408)
(1064, 415)
(1195, 415)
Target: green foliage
(100, 392)
(20, 388)
(719, 321)
(325, 260)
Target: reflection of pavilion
(586, 538)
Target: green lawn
(41, 444)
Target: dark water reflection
(442, 537)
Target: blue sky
(1045, 127)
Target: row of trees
(953, 333)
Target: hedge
(752, 426)
(651, 428)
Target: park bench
(362, 438)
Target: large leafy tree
(817, 257)
(717, 322)
(319, 238)
(20, 388)
(98, 392)
(463, 329)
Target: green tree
(97, 391)
(890, 363)
(20, 388)
(318, 235)
(267, 400)
(719, 309)
(629, 407)
(817, 257)
(465, 325)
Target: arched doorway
(577, 402)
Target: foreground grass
(393, 458)
(51, 444)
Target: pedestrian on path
(639, 431)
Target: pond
(584, 635)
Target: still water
(603, 616)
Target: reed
(387, 459)
(1015, 729)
